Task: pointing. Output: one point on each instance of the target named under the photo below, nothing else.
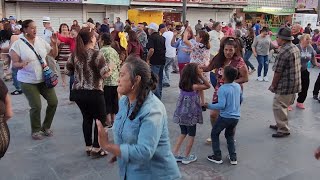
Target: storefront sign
(50, 1)
(268, 9)
(199, 1)
(234, 1)
(307, 4)
(108, 2)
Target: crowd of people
(117, 72)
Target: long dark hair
(106, 38)
(205, 39)
(220, 59)
(83, 38)
(189, 77)
(116, 41)
(133, 36)
(251, 33)
(138, 67)
(6, 33)
(60, 28)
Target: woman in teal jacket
(142, 144)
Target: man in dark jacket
(156, 55)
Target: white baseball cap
(18, 27)
(153, 26)
(46, 19)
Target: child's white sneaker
(260, 79)
(191, 158)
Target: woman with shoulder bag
(28, 55)
(5, 114)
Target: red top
(69, 41)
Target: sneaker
(16, 92)
(215, 159)
(191, 158)
(179, 158)
(260, 79)
(265, 79)
(300, 106)
(252, 71)
(315, 97)
(290, 108)
(37, 135)
(233, 161)
(209, 141)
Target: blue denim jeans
(16, 83)
(224, 123)
(263, 63)
(166, 70)
(158, 70)
(246, 57)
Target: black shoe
(274, 127)
(280, 135)
(16, 92)
(203, 108)
(233, 160)
(166, 85)
(316, 97)
(215, 159)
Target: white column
(2, 12)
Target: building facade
(204, 10)
(65, 11)
(270, 12)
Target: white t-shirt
(215, 38)
(47, 35)
(32, 73)
(170, 51)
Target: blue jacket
(144, 142)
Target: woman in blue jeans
(248, 42)
(261, 47)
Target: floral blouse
(200, 54)
(237, 63)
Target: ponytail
(83, 38)
(205, 39)
(148, 82)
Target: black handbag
(4, 136)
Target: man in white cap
(156, 55)
(48, 30)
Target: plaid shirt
(289, 66)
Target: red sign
(199, 1)
(234, 1)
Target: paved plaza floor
(260, 157)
